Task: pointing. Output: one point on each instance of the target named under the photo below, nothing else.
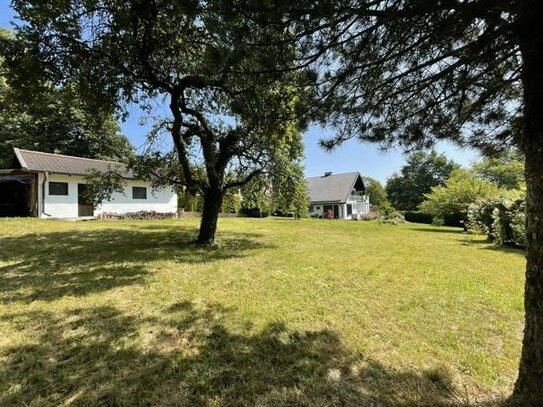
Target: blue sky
(351, 156)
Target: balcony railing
(358, 198)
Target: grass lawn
(284, 312)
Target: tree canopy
(506, 170)
(376, 192)
(230, 109)
(409, 73)
(421, 172)
(460, 190)
(34, 114)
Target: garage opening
(18, 195)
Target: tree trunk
(529, 386)
(213, 197)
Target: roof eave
(20, 158)
(17, 170)
(327, 202)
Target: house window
(58, 188)
(349, 209)
(139, 193)
(318, 208)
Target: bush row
(453, 219)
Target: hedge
(418, 217)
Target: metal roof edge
(72, 156)
(20, 158)
(333, 175)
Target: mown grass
(283, 312)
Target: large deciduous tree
(410, 72)
(34, 114)
(421, 172)
(506, 170)
(220, 75)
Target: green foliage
(480, 217)
(388, 214)
(409, 73)
(234, 107)
(36, 115)
(518, 223)
(376, 192)
(289, 193)
(421, 172)
(231, 202)
(102, 185)
(161, 169)
(460, 190)
(256, 198)
(190, 202)
(506, 170)
(502, 219)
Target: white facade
(357, 206)
(52, 205)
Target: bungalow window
(139, 193)
(58, 188)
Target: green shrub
(372, 215)
(480, 218)
(518, 224)
(451, 201)
(390, 215)
(502, 220)
(509, 223)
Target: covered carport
(18, 194)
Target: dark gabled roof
(333, 187)
(36, 161)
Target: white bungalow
(53, 186)
(344, 194)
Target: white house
(344, 194)
(53, 186)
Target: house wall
(61, 206)
(162, 200)
(66, 206)
(358, 207)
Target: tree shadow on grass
(52, 265)
(189, 356)
(438, 229)
(504, 249)
(487, 244)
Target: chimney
(327, 173)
